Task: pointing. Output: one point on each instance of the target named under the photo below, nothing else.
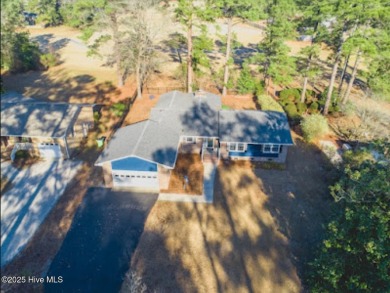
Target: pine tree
(276, 64)
(189, 13)
(234, 12)
(314, 15)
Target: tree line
(354, 30)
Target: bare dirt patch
(189, 165)
(140, 109)
(255, 237)
(236, 102)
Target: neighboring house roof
(28, 117)
(257, 127)
(184, 101)
(157, 139)
(38, 119)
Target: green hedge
(293, 95)
(267, 103)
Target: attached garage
(134, 173)
(50, 150)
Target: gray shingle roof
(157, 139)
(254, 127)
(36, 119)
(193, 122)
(147, 140)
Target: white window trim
(189, 139)
(270, 148)
(235, 147)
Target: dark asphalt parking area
(96, 252)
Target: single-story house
(142, 155)
(51, 130)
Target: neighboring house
(51, 130)
(143, 154)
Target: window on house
(236, 147)
(271, 148)
(275, 148)
(189, 139)
(232, 146)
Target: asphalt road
(96, 253)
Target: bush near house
(267, 103)
(22, 154)
(290, 99)
(314, 126)
(246, 83)
(49, 60)
(118, 109)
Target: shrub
(291, 111)
(314, 126)
(22, 154)
(348, 109)
(293, 95)
(118, 109)
(301, 108)
(246, 83)
(358, 157)
(285, 101)
(260, 88)
(96, 116)
(18, 53)
(313, 109)
(310, 94)
(225, 107)
(49, 60)
(267, 103)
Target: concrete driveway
(96, 252)
(33, 192)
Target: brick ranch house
(49, 130)
(142, 155)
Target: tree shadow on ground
(257, 236)
(300, 204)
(55, 85)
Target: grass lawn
(256, 237)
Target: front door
(209, 143)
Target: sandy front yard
(256, 236)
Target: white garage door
(137, 179)
(50, 150)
